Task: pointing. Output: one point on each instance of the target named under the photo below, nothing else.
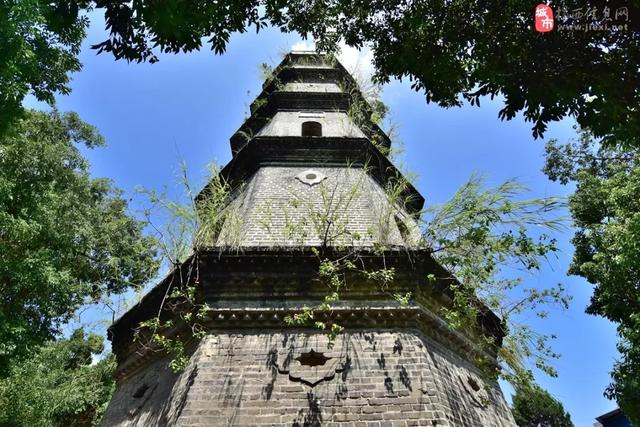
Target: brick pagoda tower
(308, 183)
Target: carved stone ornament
(475, 388)
(311, 177)
(312, 367)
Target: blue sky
(187, 106)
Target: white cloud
(304, 45)
(357, 62)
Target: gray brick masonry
(276, 209)
(382, 378)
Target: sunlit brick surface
(382, 379)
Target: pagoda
(315, 298)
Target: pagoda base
(296, 378)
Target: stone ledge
(389, 317)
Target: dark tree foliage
(606, 213)
(450, 50)
(534, 407)
(39, 44)
(66, 239)
(58, 385)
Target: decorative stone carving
(311, 367)
(475, 388)
(311, 177)
(311, 115)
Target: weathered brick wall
(277, 209)
(370, 379)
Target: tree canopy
(606, 212)
(451, 51)
(65, 238)
(58, 385)
(40, 45)
(534, 407)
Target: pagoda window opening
(311, 129)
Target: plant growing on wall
(188, 229)
(490, 240)
(476, 236)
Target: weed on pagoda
(190, 227)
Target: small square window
(311, 129)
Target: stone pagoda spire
(296, 284)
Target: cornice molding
(391, 317)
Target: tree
(606, 213)
(66, 239)
(534, 407)
(40, 44)
(489, 240)
(58, 385)
(448, 50)
(451, 50)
